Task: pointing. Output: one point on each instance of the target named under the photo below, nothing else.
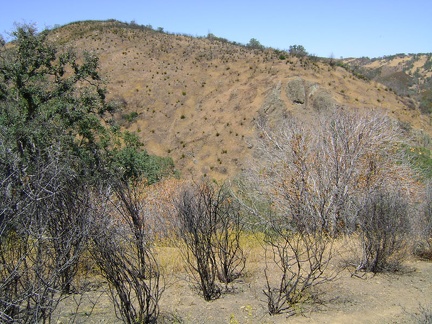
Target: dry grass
(197, 99)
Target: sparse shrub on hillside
(131, 117)
(282, 55)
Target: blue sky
(325, 28)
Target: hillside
(407, 75)
(329, 222)
(196, 99)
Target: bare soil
(400, 297)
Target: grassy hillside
(196, 99)
(407, 75)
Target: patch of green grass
(421, 160)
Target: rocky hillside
(197, 99)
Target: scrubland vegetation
(85, 206)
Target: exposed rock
(311, 88)
(295, 90)
(273, 108)
(299, 91)
(323, 101)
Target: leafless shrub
(358, 153)
(423, 248)
(229, 254)
(311, 181)
(295, 222)
(197, 219)
(384, 226)
(122, 248)
(209, 225)
(427, 211)
(363, 161)
(45, 225)
(301, 258)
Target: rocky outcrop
(274, 108)
(308, 94)
(323, 101)
(295, 90)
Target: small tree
(229, 253)
(255, 44)
(123, 238)
(51, 139)
(197, 223)
(44, 231)
(297, 50)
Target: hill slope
(197, 99)
(407, 75)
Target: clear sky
(325, 28)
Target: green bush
(298, 50)
(131, 117)
(255, 44)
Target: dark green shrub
(131, 117)
(298, 51)
(255, 44)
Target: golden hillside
(407, 75)
(196, 99)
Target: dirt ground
(401, 297)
